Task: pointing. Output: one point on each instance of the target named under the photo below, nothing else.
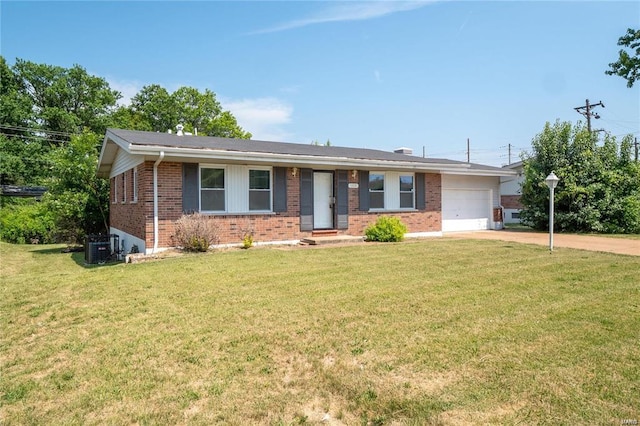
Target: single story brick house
(285, 192)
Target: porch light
(294, 172)
(551, 181)
(354, 173)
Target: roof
(207, 148)
(514, 166)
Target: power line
(35, 130)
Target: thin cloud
(349, 12)
(128, 89)
(265, 118)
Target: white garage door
(465, 210)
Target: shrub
(25, 222)
(386, 229)
(195, 232)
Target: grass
(429, 332)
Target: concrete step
(332, 239)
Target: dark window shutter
(190, 197)
(306, 200)
(342, 200)
(279, 189)
(420, 192)
(364, 190)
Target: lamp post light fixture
(551, 181)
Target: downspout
(155, 201)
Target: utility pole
(586, 111)
(635, 143)
(509, 148)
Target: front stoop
(331, 239)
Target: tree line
(52, 123)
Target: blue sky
(380, 75)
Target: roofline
(292, 160)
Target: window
(515, 215)
(135, 184)
(259, 190)
(376, 191)
(212, 189)
(124, 187)
(406, 192)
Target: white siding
(392, 190)
(123, 162)
(237, 188)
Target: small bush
(386, 229)
(195, 232)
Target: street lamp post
(552, 182)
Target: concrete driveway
(583, 242)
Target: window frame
(377, 191)
(224, 188)
(270, 189)
(124, 187)
(412, 192)
(115, 190)
(134, 196)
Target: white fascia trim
(476, 172)
(298, 160)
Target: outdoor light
(551, 181)
(294, 172)
(354, 173)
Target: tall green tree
(23, 154)
(65, 100)
(599, 188)
(78, 199)
(155, 109)
(628, 64)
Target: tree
(599, 188)
(155, 109)
(65, 100)
(23, 155)
(628, 64)
(78, 199)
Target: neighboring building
(285, 192)
(510, 192)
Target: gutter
(155, 201)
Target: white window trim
(270, 170)
(135, 185)
(226, 202)
(233, 185)
(393, 205)
(124, 187)
(384, 192)
(413, 191)
(115, 190)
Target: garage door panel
(465, 210)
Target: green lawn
(435, 331)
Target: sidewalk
(583, 242)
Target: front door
(323, 200)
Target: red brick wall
(510, 201)
(137, 218)
(129, 215)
